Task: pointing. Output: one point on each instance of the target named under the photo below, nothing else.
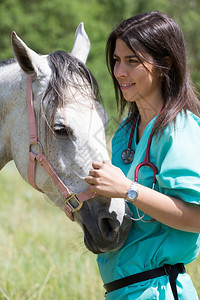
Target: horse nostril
(109, 228)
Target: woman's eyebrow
(127, 56)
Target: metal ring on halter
(73, 197)
(36, 144)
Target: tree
(47, 26)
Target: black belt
(169, 270)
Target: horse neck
(11, 81)
(11, 96)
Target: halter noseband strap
(73, 201)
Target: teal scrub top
(151, 245)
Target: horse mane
(7, 62)
(65, 65)
(66, 71)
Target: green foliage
(47, 26)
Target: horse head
(70, 124)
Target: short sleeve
(178, 159)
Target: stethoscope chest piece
(128, 155)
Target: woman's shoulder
(177, 158)
(183, 125)
(187, 119)
(182, 135)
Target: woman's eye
(115, 59)
(61, 130)
(133, 61)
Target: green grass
(42, 255)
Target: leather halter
(73, 201)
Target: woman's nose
(120, 70)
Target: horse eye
(62, 130)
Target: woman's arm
(108, 180)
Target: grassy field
(42, 255)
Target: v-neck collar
(146, 132)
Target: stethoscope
(128, 156)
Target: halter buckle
(74, 206)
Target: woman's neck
(148, 111)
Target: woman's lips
(126, 86)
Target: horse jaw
(81, 46)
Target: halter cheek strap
(73, 201)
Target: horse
(52, 125)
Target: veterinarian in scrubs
(156, 162)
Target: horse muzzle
(103, 230)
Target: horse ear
(30, 62)
(81, 46)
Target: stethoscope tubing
(146, 162)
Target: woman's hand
(107, 180)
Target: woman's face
(138, 82)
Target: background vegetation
(47, 26)
(41, 253)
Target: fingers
(100, 178)
(92, 188)
(94, 185)
(97, 165)
(90, 180)
(93, 173)
(97, 173)
(107, 163)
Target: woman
(147, 61)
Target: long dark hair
(158, 35)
